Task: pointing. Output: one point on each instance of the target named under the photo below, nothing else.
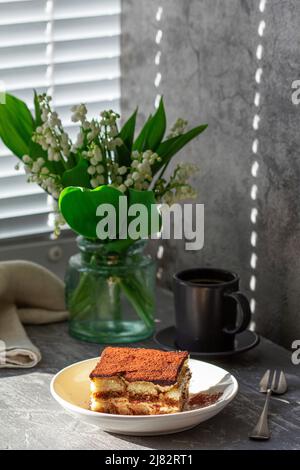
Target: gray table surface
(31, 419)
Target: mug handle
(243, 303)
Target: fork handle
(261, 430)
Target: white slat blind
(67, 48)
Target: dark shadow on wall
(213, 70)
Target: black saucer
(243, 342)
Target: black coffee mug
(207, 302)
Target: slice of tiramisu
(132, 381)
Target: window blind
(69, 49)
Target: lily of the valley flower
(178, 187)
(97, 142)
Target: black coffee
(206, 282)
(205, 320)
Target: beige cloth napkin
(29, 294)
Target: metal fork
(276, 386)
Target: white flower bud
(51, 152)
(53, 120)
(44, 115)
(82, 109)
(64, 138)
(143, 167)
(74, 118)
(113, 130)
(35, 167)
(66, 151)
(97, 154)
(26, 159)
(135, 154)
(122, 170)
(147, 154)
(100, 169)
(118, 142)
(91, 170)
(153, 159)
(79, 140)
(94, 161)
(135, 176)
(122, 188)
(94, 183)
(128, 182)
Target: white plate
(70, 387)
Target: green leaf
(35, 151)
(153, 130)
(12, 139)
(170, 147)
(79, 206)
(16, 125)
(123, 155)
(77, 176)
(157, 128)
(127, 131)
(141, 197)
(139, 142)
(123, 152)
(38, 115)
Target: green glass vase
(110, 297)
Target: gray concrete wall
(208, 66)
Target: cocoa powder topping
(135, 364)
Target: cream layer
(125, 406)
(123, 397)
